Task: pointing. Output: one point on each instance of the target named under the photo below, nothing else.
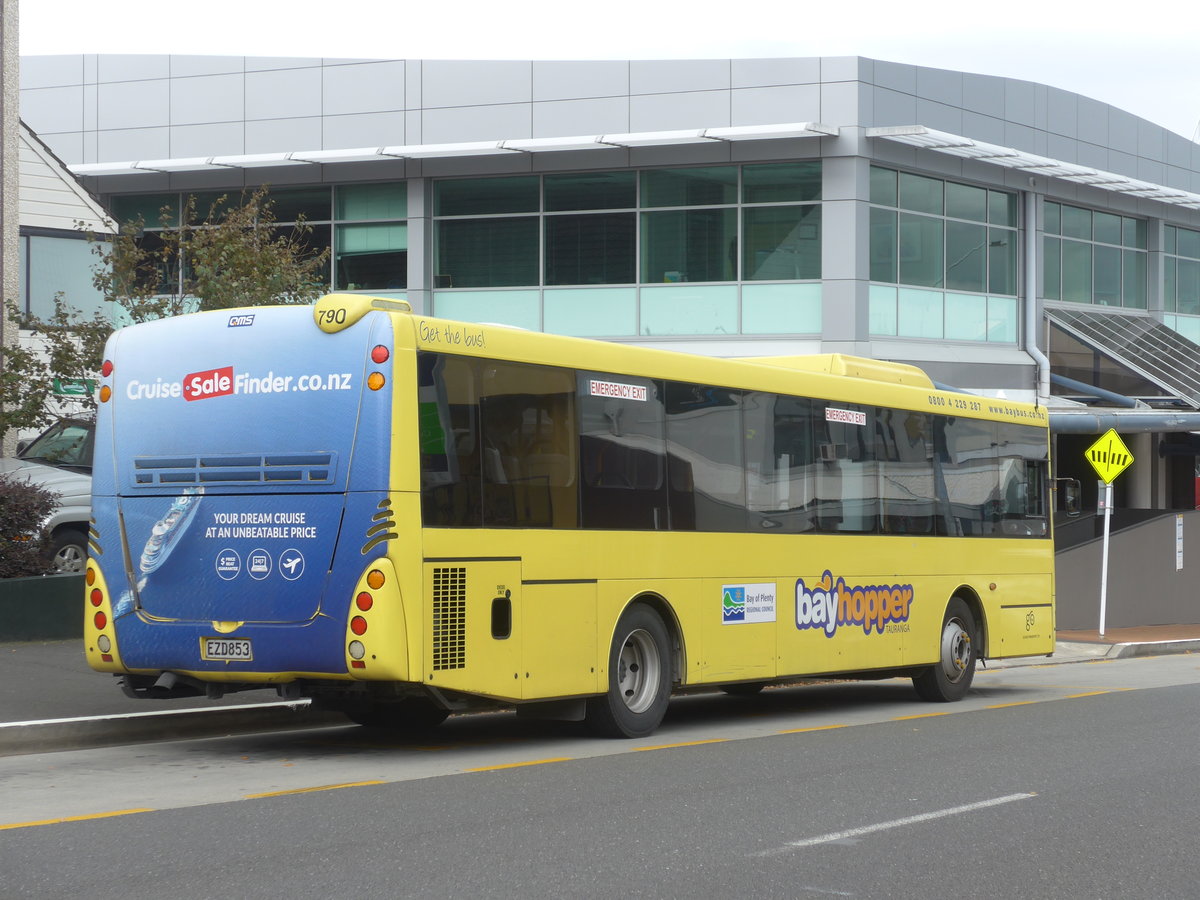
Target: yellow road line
(1014, 703)
(517, 765)
(103, 815)
(309, 790)
(1088, 694)
(812, 728)
(684, 744)
(919, 716)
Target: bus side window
(704, 458)
(968, 467)
(448, 418)
(780, 471)
(847, 475)
(904, 449)
(1023, 461)
(528, 427)
(622, 452)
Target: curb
(1066, 652)
(51, 735)
(1124, 651)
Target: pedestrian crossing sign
(1109, 456)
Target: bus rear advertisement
(403, 517)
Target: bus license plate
(226, 649)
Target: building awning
(1141, 344)
(1032, 164)
(510, 147)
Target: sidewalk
(50, 680)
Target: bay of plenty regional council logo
(733, 604)
(747, 603)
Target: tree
(68, 350)
(23, 509)
(235, 256)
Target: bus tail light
(376, 644)
(105, 391)
(100, 639)
(376, 380)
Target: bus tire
(412, 715)
(639, 677)
(950, 677)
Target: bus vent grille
(449, 618)
(250, 468)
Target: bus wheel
(951, 676)
(412, 715)
(639, 677)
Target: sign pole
(1108, 499)
(1109, 457)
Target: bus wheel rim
(956, 650)
(639, 671)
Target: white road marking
(895, 823)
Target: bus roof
(834, 376)
(850, 367)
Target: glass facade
(1091, 256)
(943, 259)
(51, 265)
(691, 251)
(649, 252)
(1181, 281)
(365, 226)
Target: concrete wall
(1144, 587)
(9, 171)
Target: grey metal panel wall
(1144, 587)
(103, 108)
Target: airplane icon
(291, 564)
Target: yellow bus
(402, 516)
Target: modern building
(60, 224)
(998, 233)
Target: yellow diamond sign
(1109, 456)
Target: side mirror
(21, 446)
(1071, 495)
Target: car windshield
(66, 444)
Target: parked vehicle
(60, 460)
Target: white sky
(1141, 57)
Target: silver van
(60, 460)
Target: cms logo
(241, 321)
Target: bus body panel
(240, 490)
(191, 554)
